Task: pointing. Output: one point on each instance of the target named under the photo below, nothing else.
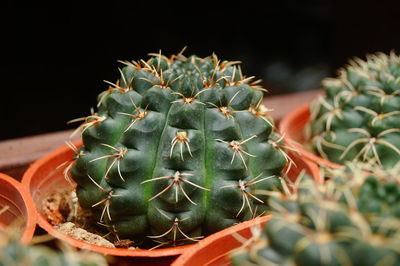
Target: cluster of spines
(357, 120)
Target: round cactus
(176, 150)
(358, 118)
(353, 219)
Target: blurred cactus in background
(352, 219)
(359, 117)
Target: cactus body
(176, 149)
(353, 219)
(358, 119)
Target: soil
(70, 229)
(51, 209)
(62, 210)
(125, 243)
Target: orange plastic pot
(301, 164)
(20, 214)
(214, 250)
(43, 178)
(292, 128)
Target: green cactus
(352, 219)
(176, 150)
(12, 252)
(358, 118)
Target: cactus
(176, 150)
(353, 219)
(12, 252)
(358, 118)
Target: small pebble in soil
(125, 243)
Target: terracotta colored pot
(310, 167)
(214, 250)
(42, 178)
(20, 214)
(292, 128)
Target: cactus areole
(177, 150)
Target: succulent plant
(176, 150)
(358, 118)
(352, 219)
(12, 252)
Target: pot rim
(314, 170)
(29, 205)
(218, 236)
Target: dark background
(55, 58)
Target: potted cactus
(356, 119)
(351, 219)
(175, 152)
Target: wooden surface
(17, 154)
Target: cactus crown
(358, 118)
(176, 150)
(353, 219)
